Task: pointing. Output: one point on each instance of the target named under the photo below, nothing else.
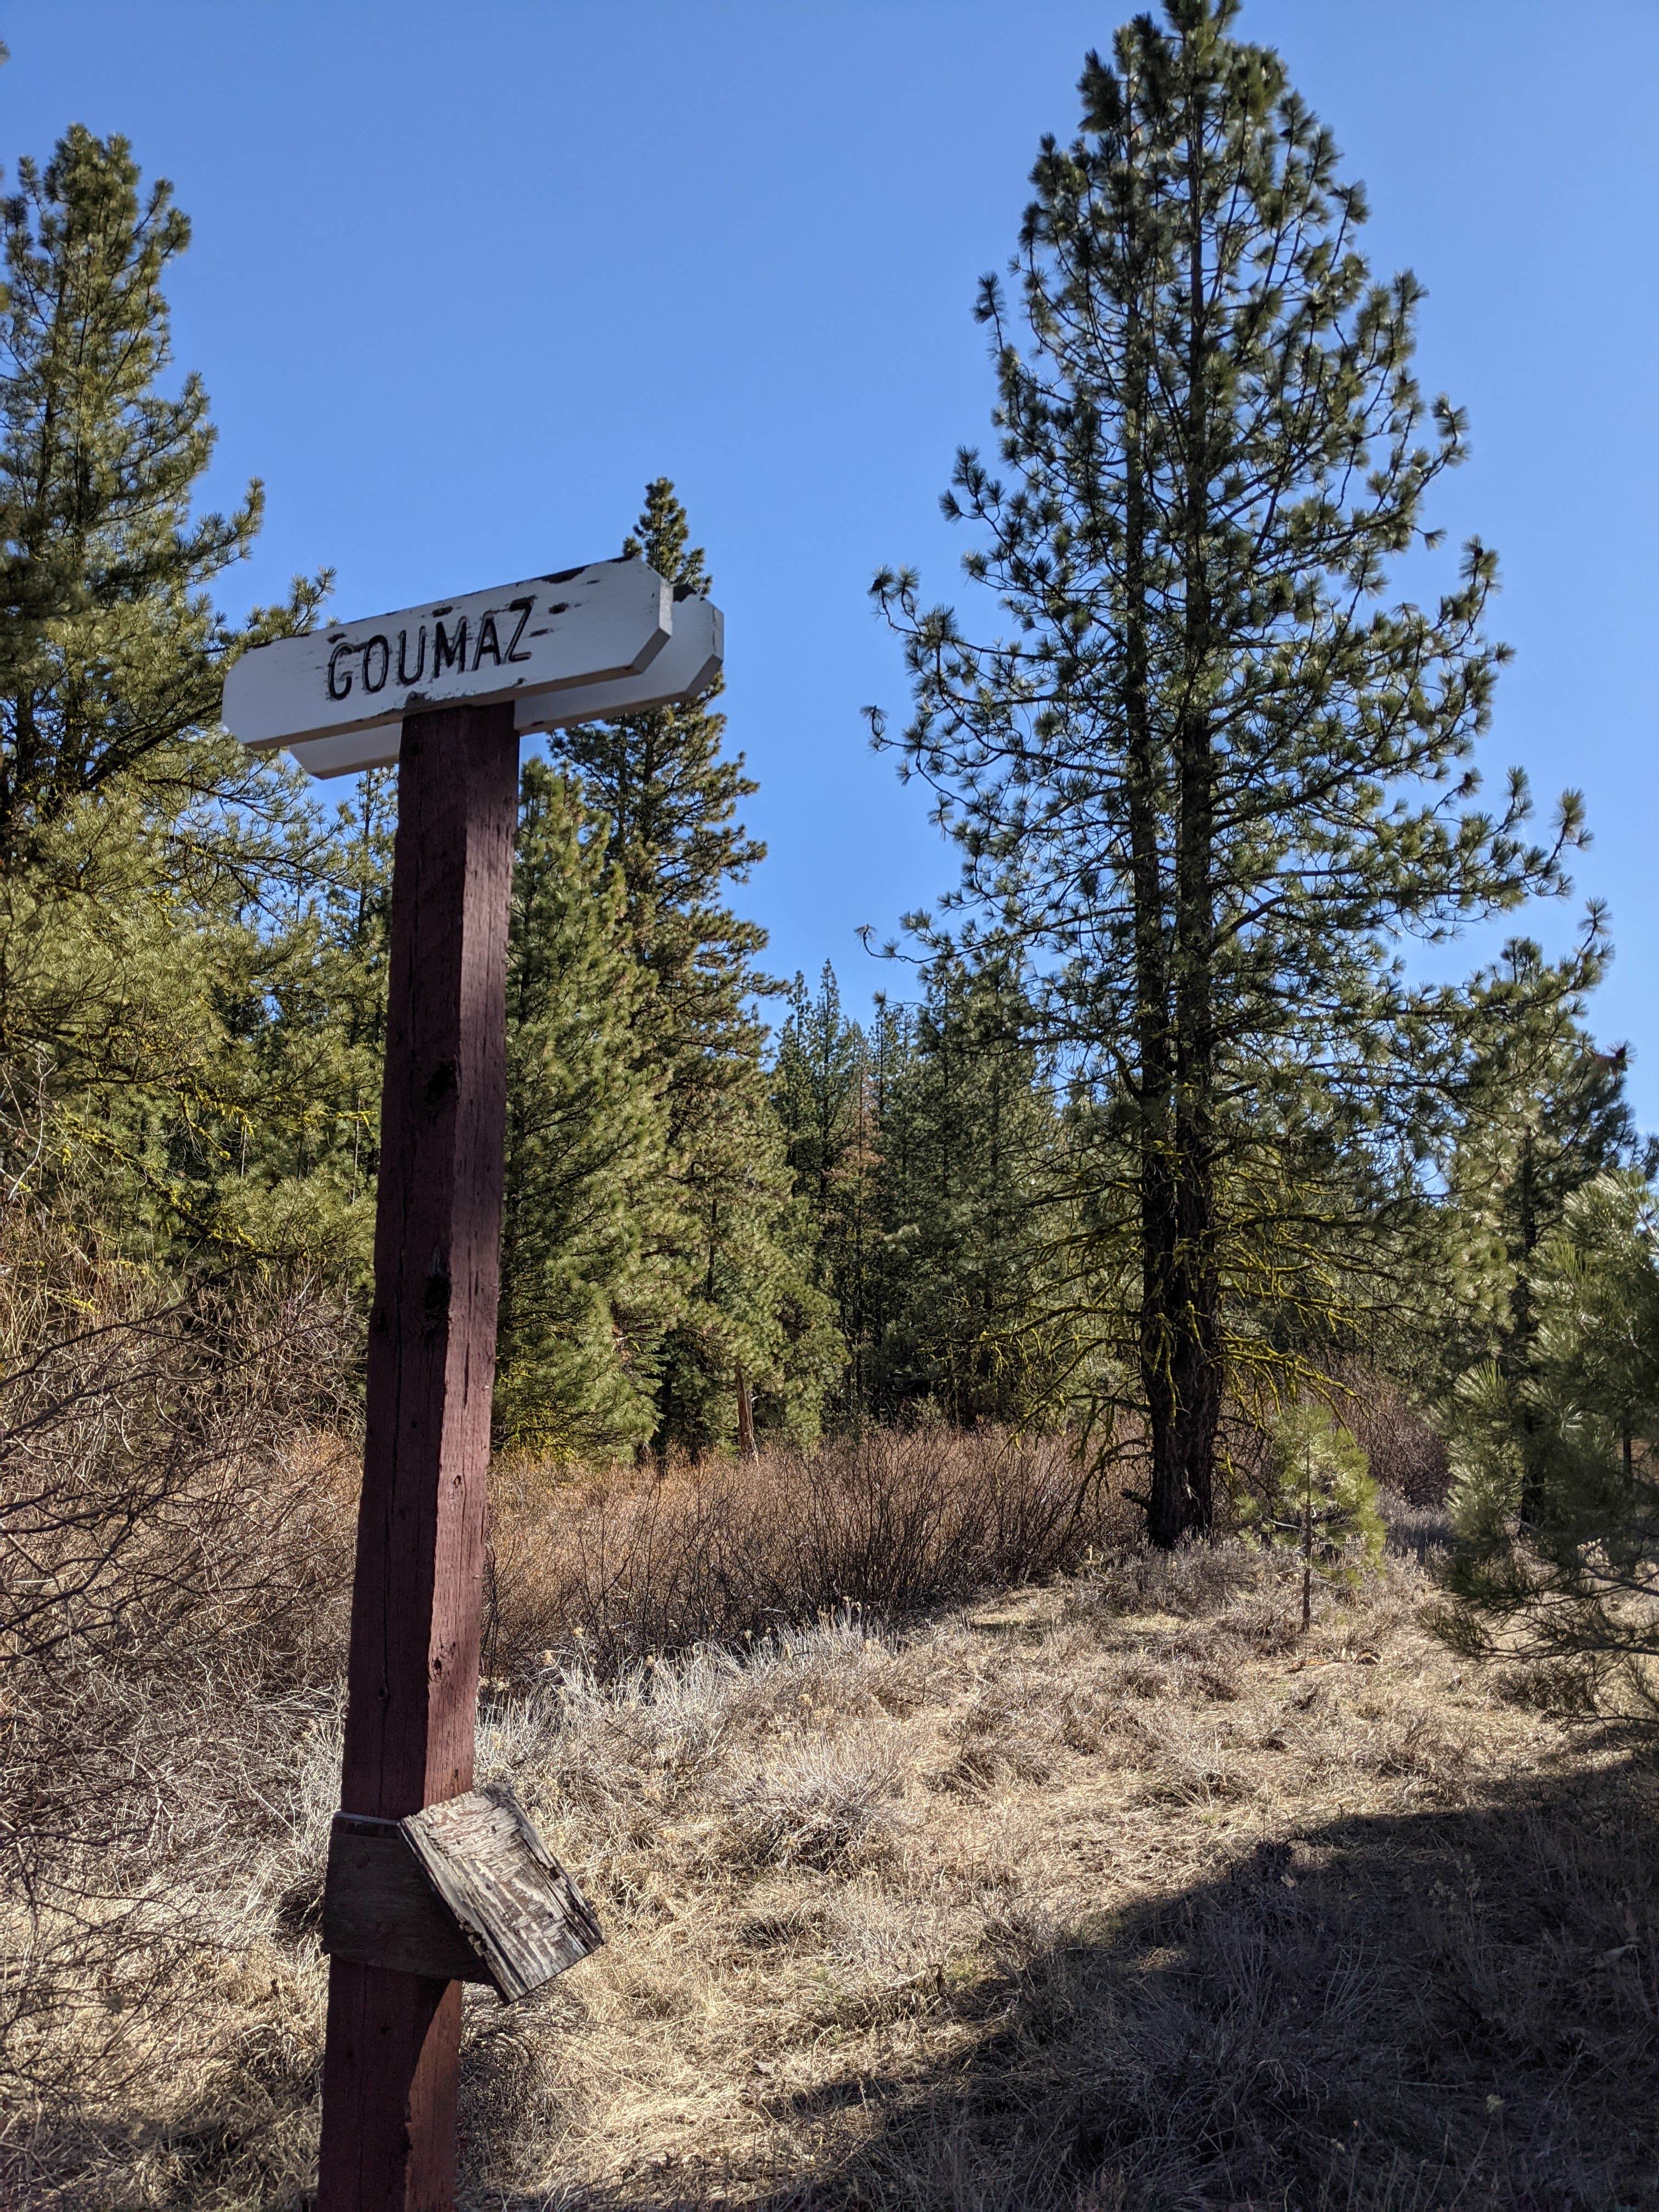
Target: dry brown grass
(1108, 1893)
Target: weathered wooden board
(581, 626)
(379, 1909)
(509, 1895)
(466, 1892)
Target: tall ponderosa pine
(747, 1324)
(580, 1312)
(1212, 778)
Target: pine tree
(1542, 1113)
(579, 1310)
(1211, 780)
(204, 1029)
(824, 1093)
(110, 650)
(284, 1131)
(1556, 1500)
(970, 1142)
(1318, 1500)
(747, 1326)
(161, 894)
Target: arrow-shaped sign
(685, 668)
(581, 628)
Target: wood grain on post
(389, 2079)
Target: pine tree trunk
(1188, 1315)
(1179, 1366)
(1523, 1330)
(745, 1417)
(1180, 1350)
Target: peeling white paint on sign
(685, 668)
(578, 629)
(687, 665)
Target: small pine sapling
(1318, 1500)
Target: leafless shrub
(1407, 1453)
(174, 1527)
(892, 1525)
(151, 1443)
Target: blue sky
(463, 278)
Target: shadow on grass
(1453, 2007)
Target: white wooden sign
(587, 637)
(686, 666)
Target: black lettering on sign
(337, 690)
(488, 643)
(372, 683)
(404, 675)
(446, 655)
(521, 608)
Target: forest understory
(1111, 1891)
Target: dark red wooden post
(389, 2076)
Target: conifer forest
(1072, 1558)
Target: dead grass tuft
(824, 1802)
